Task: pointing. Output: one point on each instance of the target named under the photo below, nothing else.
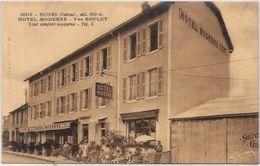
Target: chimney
(145, 6)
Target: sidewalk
(51, 159)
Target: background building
(18, 124)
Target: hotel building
(159, 64)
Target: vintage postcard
(129, 82)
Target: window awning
(140, 115)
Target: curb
(18, 154)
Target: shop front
(60, 132)
(141, 123)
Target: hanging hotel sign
(57, 126)
(103, 90)
(197, 28)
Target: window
(132, 87)
(142, 127)
(87, 97)
(74, 101)
(62, 105)
(42, 86)
(43, 110)
(155, 81)
(85, 129)
(133, 46)
(75, 68)
(13, 118)
(62, 77)
(17, 118)
(36, 111)
(101, 101)
(88, 65)
(22, 117)
(49, 108)
(156, 35)
(104, 58)
(102, 129)
(49, 80)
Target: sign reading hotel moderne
(103, 90)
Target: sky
(32, 49)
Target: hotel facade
(153, 62)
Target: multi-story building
(18, 124)
(153, 63)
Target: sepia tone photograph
(137, 82)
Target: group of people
(106, 155)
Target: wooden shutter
(144, 88)
(91, 64)
(69, 74)
(57, 108)
(96, 101)
(98, 62)
(81, 100)
(160, 33)
(76, 101)
(81, 68)
(109, 56)
(125, 51)
(65, 76)
(138, 81)
(160, 81)
(143, 47)
(77, 71)
(89, 97)
(124, 89)
(148, 37)
(138, 43)
(68, 103)
(58, 78)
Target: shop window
(142, 127)
(133, 46)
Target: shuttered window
(49, 82)
(155, 81)
(49, 108)
(69, 74)
(81, 100)
(68, 103)
(160, 81)
(81, 68)
(138, 43)
(90, 64)
(132, 87)
(87, 98)
(142, 86)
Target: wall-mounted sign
(200, 30)
(57, 126)
(103, 90)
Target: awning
(57, 126)
(222, 107)
(140, 115)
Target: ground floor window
(85, 132)
(141, 127)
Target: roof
(22, 107)
(149, 13)
(222, 107)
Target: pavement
(50, 159)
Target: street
(15, 159)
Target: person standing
(159, 147)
